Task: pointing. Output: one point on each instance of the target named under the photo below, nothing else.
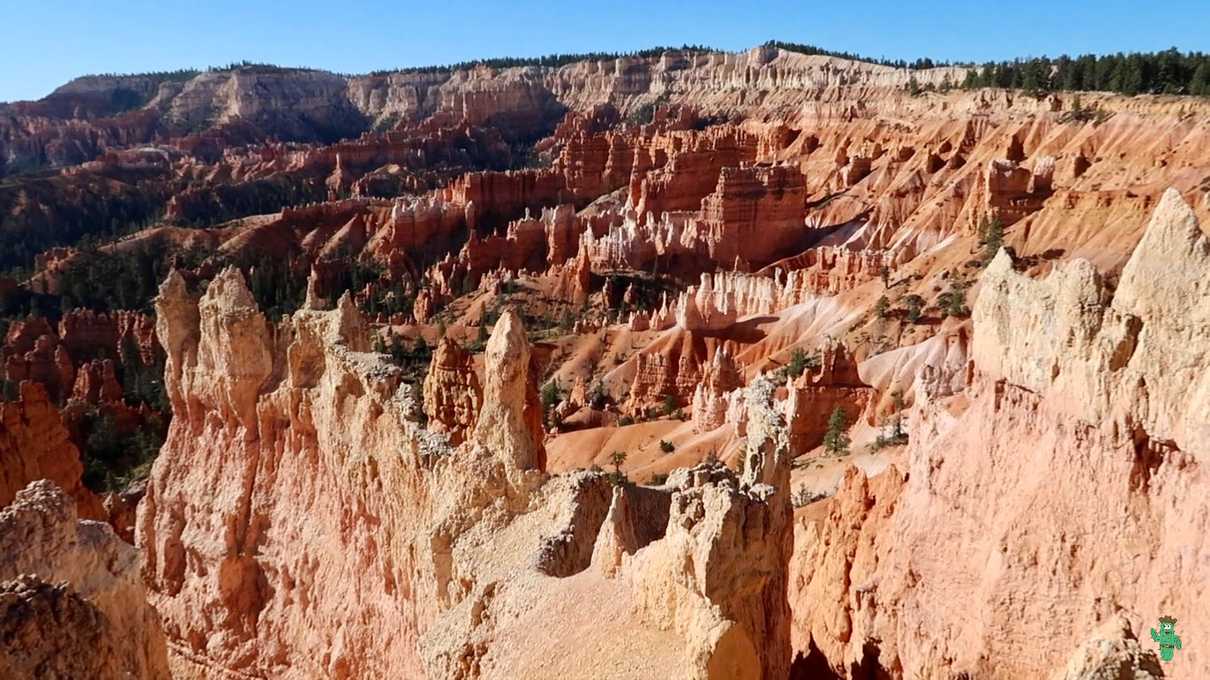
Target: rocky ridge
(457, 538)
(72, 602)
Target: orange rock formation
(313, 514)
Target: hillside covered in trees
(1166, 72)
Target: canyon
(755, 365)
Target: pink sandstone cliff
(1061, 486)
(444, 552)
(72, 603)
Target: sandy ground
(645, 459)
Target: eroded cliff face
(80, 120)
(305, 520)
(263, 414)
(72, 603)
(321, 533)
(1061, 486)
(34, 445)
(452, 395)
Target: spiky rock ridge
(293, 483)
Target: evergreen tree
(1167, 72)
(797, 363)
(915, 307)
(883, 307)
(991, 236)
(836, 439)
(1199, 84)
(953, 301)
(897, 404)
(617, 459)
(670, 404)
(551, 395)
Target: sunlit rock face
(1087, 405)
(656, 238)
(320, 489)
(72, 602)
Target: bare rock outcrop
(755, 213)
(263, 505)
(1112, 652)
(97, 382)
(510, 423)
(34, 444)
(1132, 355)
(818, 392)
(460, 559)
(72, 603)
(452, 395)
(1065, 475)
(49, 631)
(668, 371)
(720, 378)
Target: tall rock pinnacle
(510, 424)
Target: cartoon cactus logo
(1167, 638)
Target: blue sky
(44, 43)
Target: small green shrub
(915, 307)
(805, 496)
(883, 307)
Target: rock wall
(263, 414)
(72, 603)
(755, 214)
(1065, 478)
(817, 393)
(34, 445)
(321, 492)
(670, 367)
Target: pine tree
(1199, 84)
(836, 440)
(953, 301)
(617, 458)
(991, 235)
(797, 363)
(898, 405)
(915, 307)
(551, 395)
(883, 307)
(670, 404)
